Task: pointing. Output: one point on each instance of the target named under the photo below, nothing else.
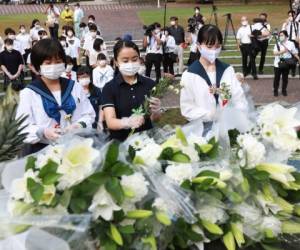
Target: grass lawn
(14, 21)
(277, 14)
(171, 117)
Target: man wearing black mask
(178, 33)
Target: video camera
(149, 29)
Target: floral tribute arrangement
(175, 191)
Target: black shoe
(284, 93)
(293, 74)
(260, 72)
(275, 93)
(255, 77)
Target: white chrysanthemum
(77, 163)
(253, 150)
(127, 206)
(149, 154)
(160, 205)
(136, 184)
(53, 153)
(103, 205)
(139, 141)
(251, 214)
(19, 187)
(271, 223)
(180, 172)
(212, 214)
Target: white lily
(103, 205)
(53, 153)
(271, 226)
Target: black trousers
(54, 31)
(248, 59)
(264, 48)
(168, 64)
(153, 59)
(278, 73)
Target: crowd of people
(66, 94)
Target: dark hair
(97, 44)
(83, 70)
(82, 25)
(22, 26)
(264, 14)
(34, 21)
(197, 8)
(8, 41)
(62, 38)
(66, 4)
(69, 60)
(42, 32)
(124, 44)
(9, 31)
(92, 26)
(68, 28)
(156, 25)
(210, 34)
(101, 56)
(284, 32)
(174, 18)
(46, 49)
(292, 12)
(92, 17)
(77, 4)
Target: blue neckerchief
(50, 105)
(198, 69)
(102, 76)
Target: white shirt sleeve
(84, 109)
(238, 35)
(25, 110)
(189, 109)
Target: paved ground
(261, 90)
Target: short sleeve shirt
(11, 60)
(125, 97)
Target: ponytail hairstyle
(118, 48)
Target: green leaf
(261, 175)
(50, 178)
(99, 178)
(30, 164)
(78, 205)
(65, 198)
(35, 189)
(115, 234)
(120, 169)
(166, 154)
(113, 186)
(181, 136)
(131, 153)
(186, 184)
(209, 173)
(111, 155)
(110, 245)
(268, 247)
(127, 229)
(181, 158)
(50, 167)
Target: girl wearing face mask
(74, 46)
(98, 47)
(25, 42)
(52, 105)
(65, 45)
(69, 72)
(103, 72)
(34, 29)
(199, 99)
(127, 91)
(92, 92)
(283, 49)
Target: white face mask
(282, 38)
(129, 69)
(197, 11)
(22, 31)
(93, 34)
(172, 23)
(44, 37)
(70, 33)
(157, 31)
(102, 63)
(210, 54)
(52, 71)
(91, 21)
(244, 23)
(9, 47)
(69, 68)
(84, 81)
(12, 37)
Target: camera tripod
(214, 15)
(228, 23)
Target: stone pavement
(261, 90)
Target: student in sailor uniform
(103, 73)
(69, 72)
(53, 105)
(198, 99)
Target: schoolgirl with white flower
(52, 105)
(201, 83)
